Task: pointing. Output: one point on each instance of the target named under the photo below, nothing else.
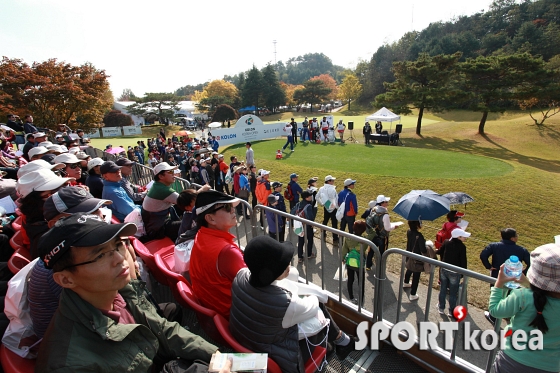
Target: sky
(160, 46)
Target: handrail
(323, 228)
(466, 273)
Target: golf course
(512, 172)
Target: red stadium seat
(115, 220)
(19, 259)
(311, 365)
(165, 261)
(205, 316)
(12, 363)
(16, 242)
(147, 251)
(16, 224)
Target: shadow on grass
(471, 147)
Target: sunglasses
(73, 165)
(228, 207)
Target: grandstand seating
(12, 363)
(311, 364)
(19, 259)
(146, 253)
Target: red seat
(115, 220)
(19, 259)
(205, 316)
(13, 363)
(16, 242)
(165, 261)
(147, 251)
(311, 365)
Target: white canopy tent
(384, 115)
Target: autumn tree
(422, 84)
(116, 118)
(289, 90)
(224, 113)
(163, 105)
(55, 92)
(314, 92)
(330, 83)
(350, 89)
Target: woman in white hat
(535, 306)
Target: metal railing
(291, 236)
(461, 300)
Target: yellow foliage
(221, 88)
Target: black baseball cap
(71, 200)
(205, 200)
(81, 230)
(124, 162)
(108, 167)
(276, 184)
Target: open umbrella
(115, 150)
(215, 125)
(458, 198)
(422, 205)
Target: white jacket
(328, 193)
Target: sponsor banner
(92, 134)
(248, 128)
(132, 130)
(111, 131)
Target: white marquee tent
(384, 115)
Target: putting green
(378, 160)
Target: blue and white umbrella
(422, 205)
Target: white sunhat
(36, 151)
(38, 165)
(329, 178)
(41, 180)
(163, 166)
(66, 158)
(459, 233)
(348, 182)
(381, 198)
(94, 162)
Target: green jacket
(81, 339)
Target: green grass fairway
(395, 160)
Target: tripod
(351, 138)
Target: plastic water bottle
(513, 268)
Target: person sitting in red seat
(215, 258)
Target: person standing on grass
(328, 198)
(295, 189)
(294, 130)
(340, 128)
(289, 134)
(367, 132)
(350, 205)
(249, 154)
(500, 252)
(305, 130)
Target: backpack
(441, 236)
(262, 194)
(375, 222)
(298, 211)
(288, 195)
(353, 258)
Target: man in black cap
(135, 192)
(266, 306)
(104, 321)
(112, 190)
(294, 130)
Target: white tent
(384, 115)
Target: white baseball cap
(39, 134)
(329, 178)
(36, 151)
(38, 165)
(66, 158)
(45, 143)
(163, 166)
(348, 182)
(94, 162)
(40, 181)
(56, 148)
(381, 198)
(455, 233)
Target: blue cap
(293, 175)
